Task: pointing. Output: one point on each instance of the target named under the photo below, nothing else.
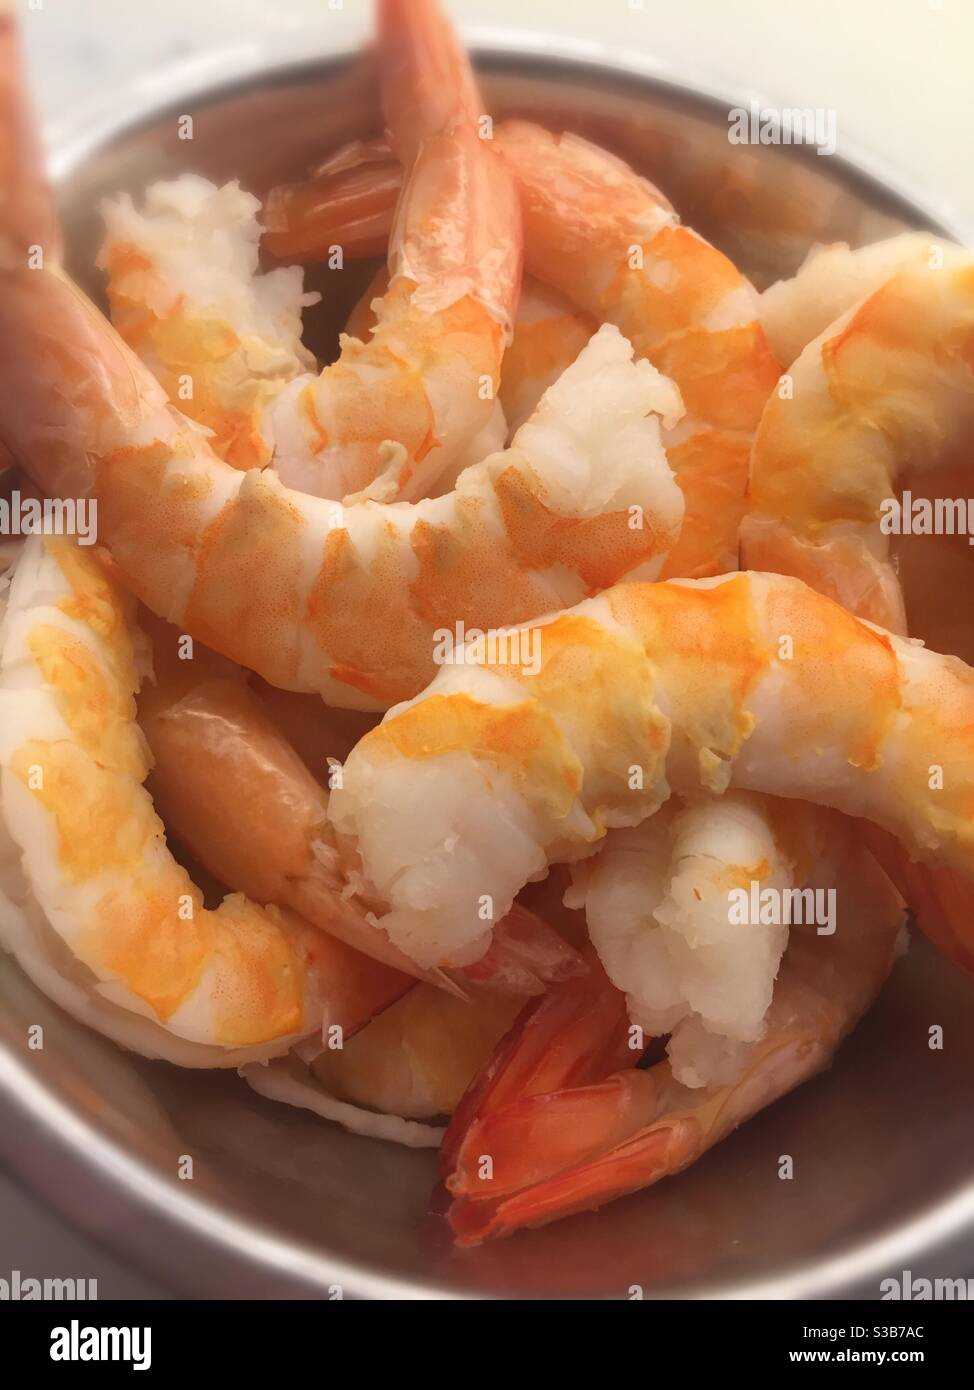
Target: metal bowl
(282, 1204)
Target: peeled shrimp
(352, 603)
(742, 681)
(609, 241)
(418, 1058)
(549, 333)
(231, 788)
(408, 1068)
(886, 388)
(347, 602)
(830, 281)
(575, 1148)
(225, 340)
(882, 397)
(659, 899)
(118, 922)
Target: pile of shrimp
(490, 675)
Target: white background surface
(896, 72)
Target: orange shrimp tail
(348, 201)
(540, 1135)
(28, 220)
(657, 1152)
(525, 956)
(428, 84)
(941, 899)
(576, 1033)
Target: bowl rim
(41, 1137)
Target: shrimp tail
(569, 1130)
(548, 1155)
(349, 201)
(433, 108)
(427, 82)
(575, 1033)
(28, 220)
(525, 956)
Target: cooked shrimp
(886, 389)
(661, 901)
(883, 400)
(490, 439)
(574, 1149)
(418, 1058)
(28, 220)
(349, 199)
(234, 792)
(741, 681)
(576, 1033)
(113, 918)
(349, 602)
(353, 603)
(225, 341)
(609, 241)
(549, 333)
(831, 280)
(289, 1082)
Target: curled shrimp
(549, 333)
(830, 281)
(884, 393)
(232, 789)
(737, 682)
(225, 341)
(661, 905)
(573, 1148)
(107, 920)
(417, 1060)
(349, 604)
(881, 400)
(352, 603)
(611, 243)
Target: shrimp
(418, 1058)
(356, 604)
(230, 787)
(608, 240)
(352, 603)
(27, 212)
(490, 439)
(741, 681)
(576, 1033)
(576, 1148)
(107, 919)
(830, 281)
(883, 400)
(225, 341)
(669, 909)
(349, 198)
(886, 389)
(549, 333)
